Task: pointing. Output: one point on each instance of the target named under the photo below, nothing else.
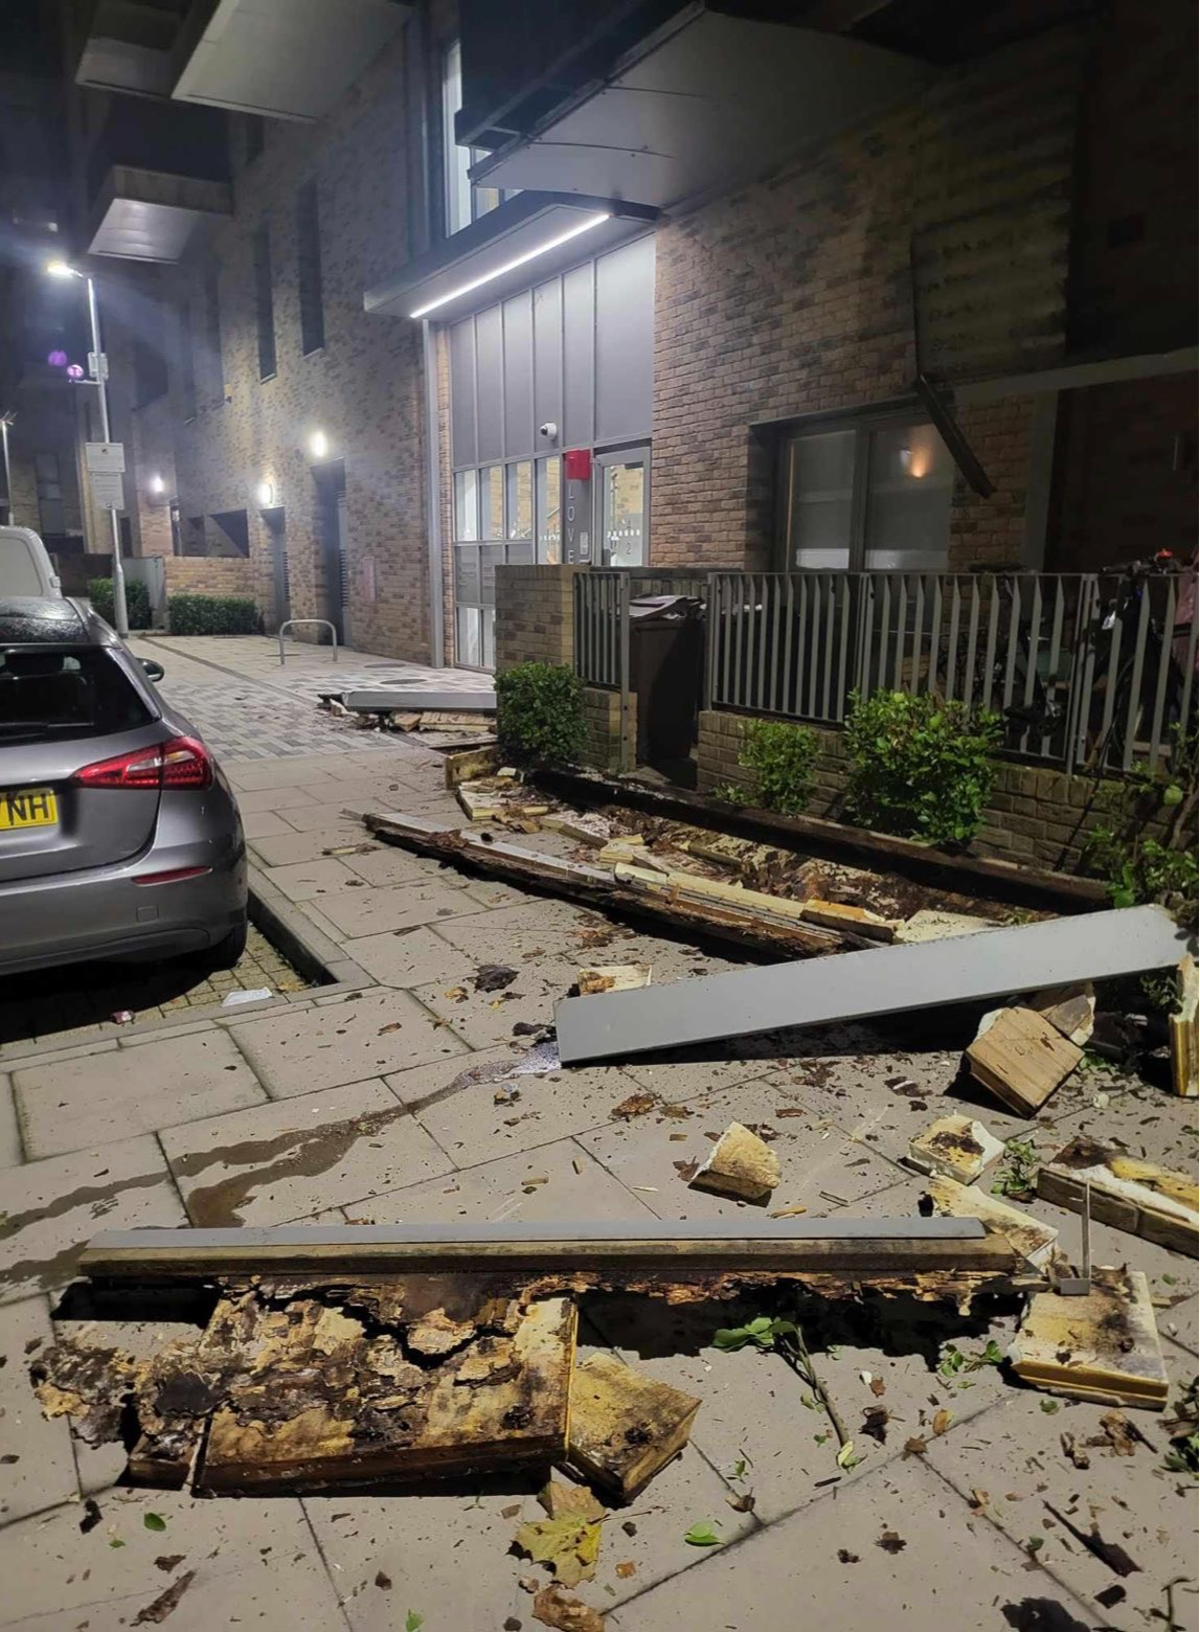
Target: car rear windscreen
(57, 696)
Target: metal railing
(1085, 669)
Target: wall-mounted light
(265, 494)
(157, 485)
(60, 269)
(318, 444)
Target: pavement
(358, 1102)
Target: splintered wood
(625, 1426)
(1102, 1347)
(1022, 1057)
(397, 1380)
(1133, 1195)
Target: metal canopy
(289, 59)
(145, 215)
(861, 985)
(540, 232)
(705, 104)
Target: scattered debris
(1184, 1035)
(613, 977)
(493, 977)
(640, 1103)
(556, 1608)
(954, 1147)
(1034, 1240)
(91, 1509)
(1069, 1009)
(932, 925)
(1121, 1433)
(1103, 1346)
(835, 915)
(1021, 1058)
(740, 1165)
(624, 1426)
(1132, 1195)
(165, 1604)
(891, 1542)
(1108, 1552)
(1074, 1451)
(233, 1000)
(568, 1539)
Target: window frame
(864, 423)
(264, 302)
(453, 175)
(310, 284)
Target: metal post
(433, 500)
(5, 422)
(120, 612)
(628, 746)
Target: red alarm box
(577, 464)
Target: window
(57, 696)
(187, 363)
(872, 494)
(49, 493)
(308, 269)
(495, 518)
(212, 333)
(464, 203)
(264, 303)
(149, 355)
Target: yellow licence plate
(28, 807)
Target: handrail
(325, 624)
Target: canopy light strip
(585, 225)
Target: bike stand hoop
(325, 624)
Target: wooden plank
(1021, 1057)
(1034, 1240)
(625, 1426)
(633, 890)
(1102, 1347)
(1185, 1043)
(855, 985)
(1132, 1195)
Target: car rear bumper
(114, 912)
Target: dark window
(308, 265)
(49, 492)
(212, 335)
(264, 304)
(187, 362)
(149, 355)
(254, 131)
(235, 525)
(60, 696)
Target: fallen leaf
(166, 1601)
(413, 1621)
(511, 1511)
(553, 1607)
(875, 1421)
(878, 1387)
(788, 1212)
(383, 1582)
(569, 1546)
(91, 1515)
(743, 1503)
(702, 1535)
(626, 1569)
(846, 1457)
(915, 1447)
(845, 1557)
(941, 1421)
(636, 1105)
(979, 1500)
(562, 1501)
(169, 1561)
(891, 1542)
(154, 1521)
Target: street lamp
(6, 420)
(62, 269)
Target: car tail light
(176, 875)
(180, 763)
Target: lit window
(464, 203)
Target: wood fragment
(613, 977)
(625, 1426)
(954, 1147)
(1069, 1009)
(1132, 1195)
(836, 915)
(740, 1164)
(555, 1607)
(1185, 1038)
(1103, 1346)
(1034, 1240)
(469, 764)
(1022, 1059)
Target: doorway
(621, 482)
(281, 589)
(332, 539)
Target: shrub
(137, 601)
(540, 714)
(212, 615)
(921, 768)
(780, 759)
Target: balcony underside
(145, 215)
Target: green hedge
(539, 714)
(212, 615)
(137, 600)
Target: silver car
(119, 834)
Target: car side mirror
(154, 671)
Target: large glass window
(494, 521)
(872, 494)
(549, 510)
(464, 203)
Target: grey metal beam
(405, 699)
(859, 985)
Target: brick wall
(211, 575)
(535, 615)
(795, 296)
(1036, 814)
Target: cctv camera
(549, 430)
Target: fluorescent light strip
(511, 266)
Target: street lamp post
(6, 420)
(60, 269)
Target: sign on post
(104, 458)
(108, 489)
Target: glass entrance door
(622, 486)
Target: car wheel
(224, 953)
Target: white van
(25, 565)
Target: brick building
(461, 291)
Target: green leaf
(1122, 898)
(846, 1457)
(116, 1542)
(1049, 1407)
(1035, 1543)
(1172, 796)
(759, 1331)
(413, 1622)
(154, 1521)
(702, 1535)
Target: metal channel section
(860, 985)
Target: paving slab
(282, 1161)
(486, 1018)
(283, 849)
(410, 957)
(37, 1468)
(113, 1095)
(385, 864)
(1014, 1454)
(263, 824)
(338, 1043)
(54, 1207)
(364, 911)
(251, 800)
(946, 1567)
(304, 880)
(559, 1181)
(255, 1565)
(548, 1106)
(816, 1157)
(531, 929)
